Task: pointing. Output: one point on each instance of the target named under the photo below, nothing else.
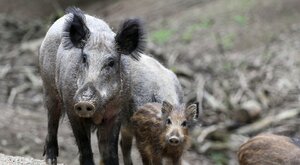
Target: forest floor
(238, 58)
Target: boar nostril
(173, 140)
(89, 108)
(84, 109)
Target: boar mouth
(85, 115)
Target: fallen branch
(5, 70)
(233, 143)
(200, 92)
(269, 120)
(206, 132)
(16, 91)
(32, 77)
(213, 102)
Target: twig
(213, 102)
(206, 132)
(172, 58)
(244, 84)
(5, 70)
(202, 134)
(31, 76)
(200, 81)
(15, 91)
(233, 143)
(236, 98)
(270, 119)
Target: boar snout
(84, 109)
(86, 100)
(174, 140)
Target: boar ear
(76, 33)
(130, 38)
(166, 107)
(192, 111)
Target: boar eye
(169, 121)
(184, 124)
(84, 58)
(111, 63)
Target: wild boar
(162, 131)
(270, 149)
(99, 78)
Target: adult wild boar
(99, 78)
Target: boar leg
(126, 143)
(177, 161)
(146, 158)
(108, 136)
(157, 159)
(82, 132)
(148, 154)
(54, 112)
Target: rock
(249, 111)
(252, 107)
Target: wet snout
(175, 138)
(84, 109)
(85, 100)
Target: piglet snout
(174, 140)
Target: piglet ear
(76, 32)
(130, 39)
(192, 111)
(166, 107)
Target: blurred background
(238, 58)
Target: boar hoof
(51, 154)
(51, 161)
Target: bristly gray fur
(115, 84)
(77, 20)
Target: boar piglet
(270, 149)
(162, 131)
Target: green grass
(228, 41)
(161, 36)
(188, 33)
(206, 24)
(173, 69)
(227, 66)
(240, 19)
(219, 158)
(187, 36)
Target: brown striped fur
(269, 149)
(153, 132)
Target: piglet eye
(169, 121)
(111, 63)
(84, 58)
(184, 124)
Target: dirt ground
(238, 58)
